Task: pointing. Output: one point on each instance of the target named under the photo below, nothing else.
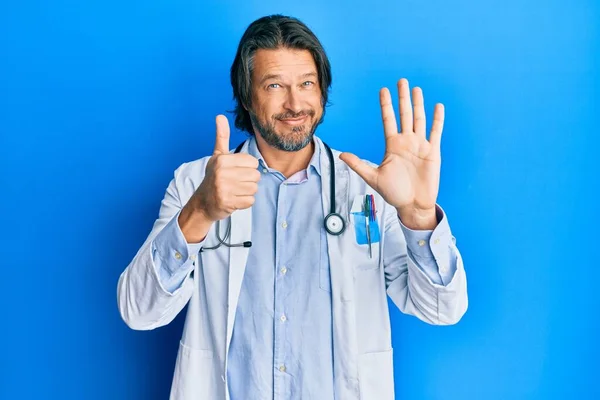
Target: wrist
(418, 219)
(194, 224)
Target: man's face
(286, 102)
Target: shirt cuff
(418, 241)
(173, 257)
(433, 250)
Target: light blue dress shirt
(281, 346)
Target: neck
(286, 162)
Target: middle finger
(406, 116)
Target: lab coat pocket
(194, 373)
(361, 258)
(360, 229)
(376, 375)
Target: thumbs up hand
(231, 179)
(230, 183)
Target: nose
(292, 101)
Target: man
(282, 305)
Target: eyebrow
(278, 76)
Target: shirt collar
(313, 166)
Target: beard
(296, 139)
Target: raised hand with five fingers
(409, 175)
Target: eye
(308, 83)
(273, 86)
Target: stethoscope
(334, 223)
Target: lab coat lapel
(345, 346)
(241, 230)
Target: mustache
(292, 115)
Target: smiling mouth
(294, 121)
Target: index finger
(222, 140)
(244, 160)
(390, 127)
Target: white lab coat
(363, 362)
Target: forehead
(283, 61)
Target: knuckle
(222, 174)
(239, 160)
(250, 201)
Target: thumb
(222, 140)
(364, 170)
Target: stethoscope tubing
(333, 222)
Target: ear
(246, 106)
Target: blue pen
(367, 211)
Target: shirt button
(284, 224)
(283, 270)
(282, 368)
(436, 241)
(283, 318)
(178, 255)
(265, 170)
(193, 257)
(443, 268)
(421, 242)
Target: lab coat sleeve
(173, 257)
(143, 296)
(413, 278)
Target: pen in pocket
(368, 214)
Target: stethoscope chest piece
(334, 224)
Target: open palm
(409, 175)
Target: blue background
(101, 100)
